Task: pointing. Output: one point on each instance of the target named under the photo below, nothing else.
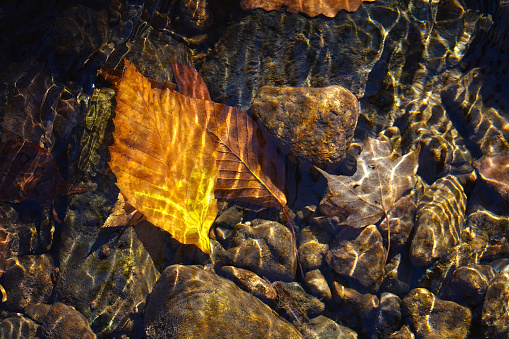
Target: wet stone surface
(432, 317)
(495, 312)
(186, 300)
(312, 124)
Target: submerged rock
(28, 280)
(360, 259)
(389, 315)
(266, 248)
(439, 220)
(313, 124)
(60, 321)
(468, 284)
(432, 317)
(18, 328)
(495, 312)
(188, 302)
(250, 282)
(324, 328)
(317, 284)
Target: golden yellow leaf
(163, 159)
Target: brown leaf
(40, 111)
(250, 170)
(380, 180)
(163, 159)
(312, 8)
(29, 172)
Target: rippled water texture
(402, 232)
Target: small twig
(289, 219)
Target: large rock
(439, 220)
(189, 302)
(495, 312)
(60, 321)
(18, 327)
(313, 124)
(431, 317)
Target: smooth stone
(468, 284)
(291, 297)
(495, 312)
(317, 284)
(190, 302)
(266, 249)
(325, 328)
(250, 282)
(60, 321)
(439, 220)
(431, 317)
(355, 310)
(361, 259)
(27, 280)
(401, 222)
(392, 282)
(313, 247)
(18, 327)
(389, 315)
(312, 124)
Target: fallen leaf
(250, 170)
(380, 180)
(329, 8)
(163, 159)
(29, 172)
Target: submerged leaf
(250, 170)
(163, 159)
(380, 180)
(29, 172)
(312, 8)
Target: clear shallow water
(426, 74)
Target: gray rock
(189, 302)
(439, 220)
(433, 317)
(313, 124)
(361, 259)
(316, 283)
(266, 248)
(28, 280)
(60, 321)
(495, 312)
(18, 328)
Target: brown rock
(311, 8)
(27, 280)
(267, 249)
(317, 284)
(439, 220)
(355, 310)
(431, 317)
(250, 282)
(361, 259)
(60, 321)
(313, 124)
(495, 311)
(18, 328)
(189, 302)
(469, 284)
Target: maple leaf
(250, 170)
(379, 181)
(163, 159)
(29, 172)
(312, 8)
